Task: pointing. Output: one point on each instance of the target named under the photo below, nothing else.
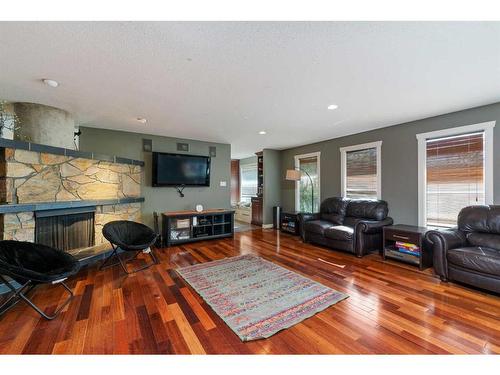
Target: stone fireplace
(62, 197)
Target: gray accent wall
(272, 183)
(160, 199)
(399, 160)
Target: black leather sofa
(352, 225)
(470, 253)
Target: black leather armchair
(470, 253)
(352, 225)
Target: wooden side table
(289, 222)
(407, 234)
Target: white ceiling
(225, 81)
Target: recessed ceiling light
(333, 106)
(262, 132)
(50, 82)
(142, 120)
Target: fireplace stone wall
(31, 177)
(53, 178)
(18, 226)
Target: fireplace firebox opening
(66, 229)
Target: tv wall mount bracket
(180, 190)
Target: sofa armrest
(373, 226)
(368, 235)
(303, 218)
(442, 241)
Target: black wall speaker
(182, 146)
(147, 145)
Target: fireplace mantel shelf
(33, 207)
(29, 146)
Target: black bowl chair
(129, 236)
(31, 264)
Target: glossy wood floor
(392, 308)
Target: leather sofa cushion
(317, 226)
(484, 239)
(334, 209)
(480, 259)
(339, 232)
(484, 219)
(368, 209)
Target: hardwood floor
(392, 308)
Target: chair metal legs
(123, 264)
(20, 294)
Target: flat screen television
(180, 170)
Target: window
(453, 172)
(248, 178)
(455, 176)
(361, 171)
(309, 165)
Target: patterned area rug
(257, 298)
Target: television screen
(180, 170)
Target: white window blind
(455, 176)
(361, 173)
(248, 181)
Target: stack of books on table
(408, 248)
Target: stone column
(45, 125)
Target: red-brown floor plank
(392, 308)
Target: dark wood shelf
(257, 201)
(408, 234)
(392, 252)
(288, 218)
(198, 232)
(195, 239)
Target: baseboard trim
(267, 226)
